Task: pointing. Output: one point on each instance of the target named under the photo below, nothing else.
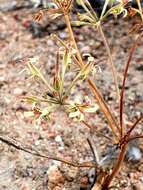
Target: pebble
(92, 175)
(133, 154)
(37, 143)
(2, 79)
(8, 6)
(58, 139)
(84, 182)
(70, 173)
(17, 91)
(7, 100)
(63, 35)
(55, 176)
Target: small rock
(70, 173)
(84, 182)
(8, 6)
(58, 139)
(92, 175)
(2, 79)
(37, 143)
(55, 176)
(7, 100)
(63, 35)
(17, 91)
(133, 154)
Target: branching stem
(122, 99)
(97, 132)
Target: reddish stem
(135, 137)
(122, 97)
(116, 168)
(135, 124)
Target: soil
(62, 137)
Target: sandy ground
(61, 137)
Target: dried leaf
(38, 16)
(132, 12)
